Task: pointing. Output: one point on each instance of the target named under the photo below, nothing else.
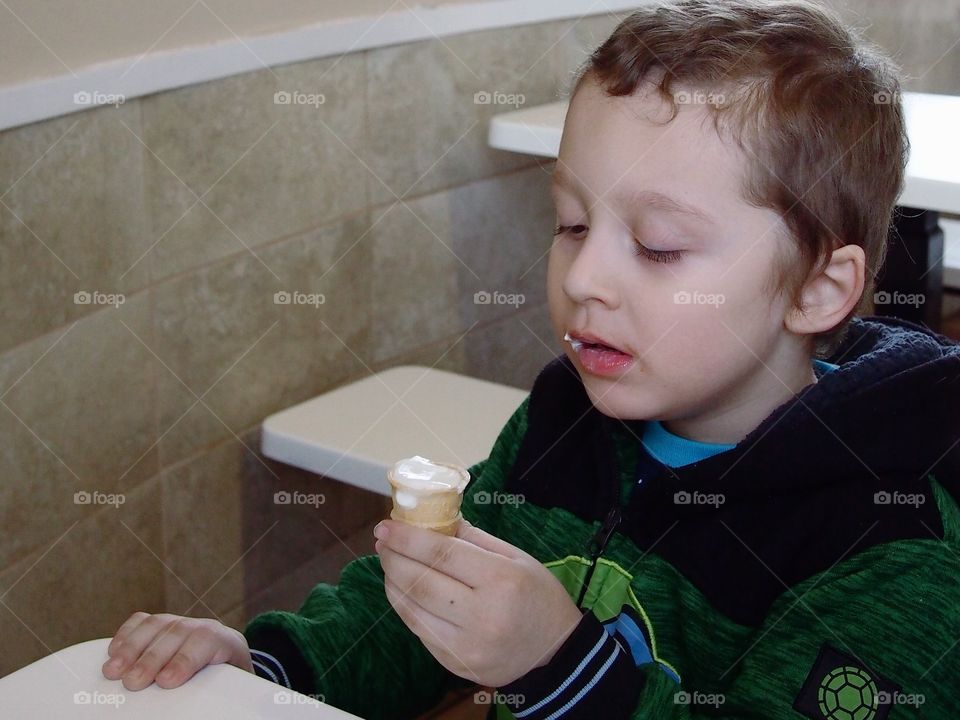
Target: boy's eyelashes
(660, 256)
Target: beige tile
(290, 591)
(922, 37)
(450, 354)
(71, 217)
(513, 350)
(203, 544)
(263, 170)
(501, 228)
(433, 254)
(426, 132)
(225, 340)
(227, 538)
(415, 272)
(583, 36)
(85, 582)
(326, 533)
(78, 414)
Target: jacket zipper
(597, 545)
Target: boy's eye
(660, 256)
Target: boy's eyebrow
(640, 197)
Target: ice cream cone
(427, 494)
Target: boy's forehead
(624, 193)
(623, 145)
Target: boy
(701, 518)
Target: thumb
(474, 535)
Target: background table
(69, 684)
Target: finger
(157, 653)
(485, 540)
(431, 629)
(137, 632)
(435, 592)
(124, 630)
(201, 648)
(457, 558)
(135, 642)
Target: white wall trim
(45, 98)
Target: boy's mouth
(597, 357)
(580, 341)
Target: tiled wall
(198, 205)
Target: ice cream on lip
(580, 339)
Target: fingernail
(380, 531)
(114, 664)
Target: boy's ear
(828, 297)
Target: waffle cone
(437, 510)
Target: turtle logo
(840, 687)
(847, 693)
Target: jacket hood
(889, 413)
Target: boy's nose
(590, 275)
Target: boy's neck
(731, 418)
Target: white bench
(356, 432)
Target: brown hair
(816, 109)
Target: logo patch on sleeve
(839, 687)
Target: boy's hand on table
(171, 649)
(486, 610)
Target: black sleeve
(590, 676)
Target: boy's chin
(617, 399)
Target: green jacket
(813, 571)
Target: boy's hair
(816, 109)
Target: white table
(932, 185)
(69, 684)
(356, 432)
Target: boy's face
(704, 340)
